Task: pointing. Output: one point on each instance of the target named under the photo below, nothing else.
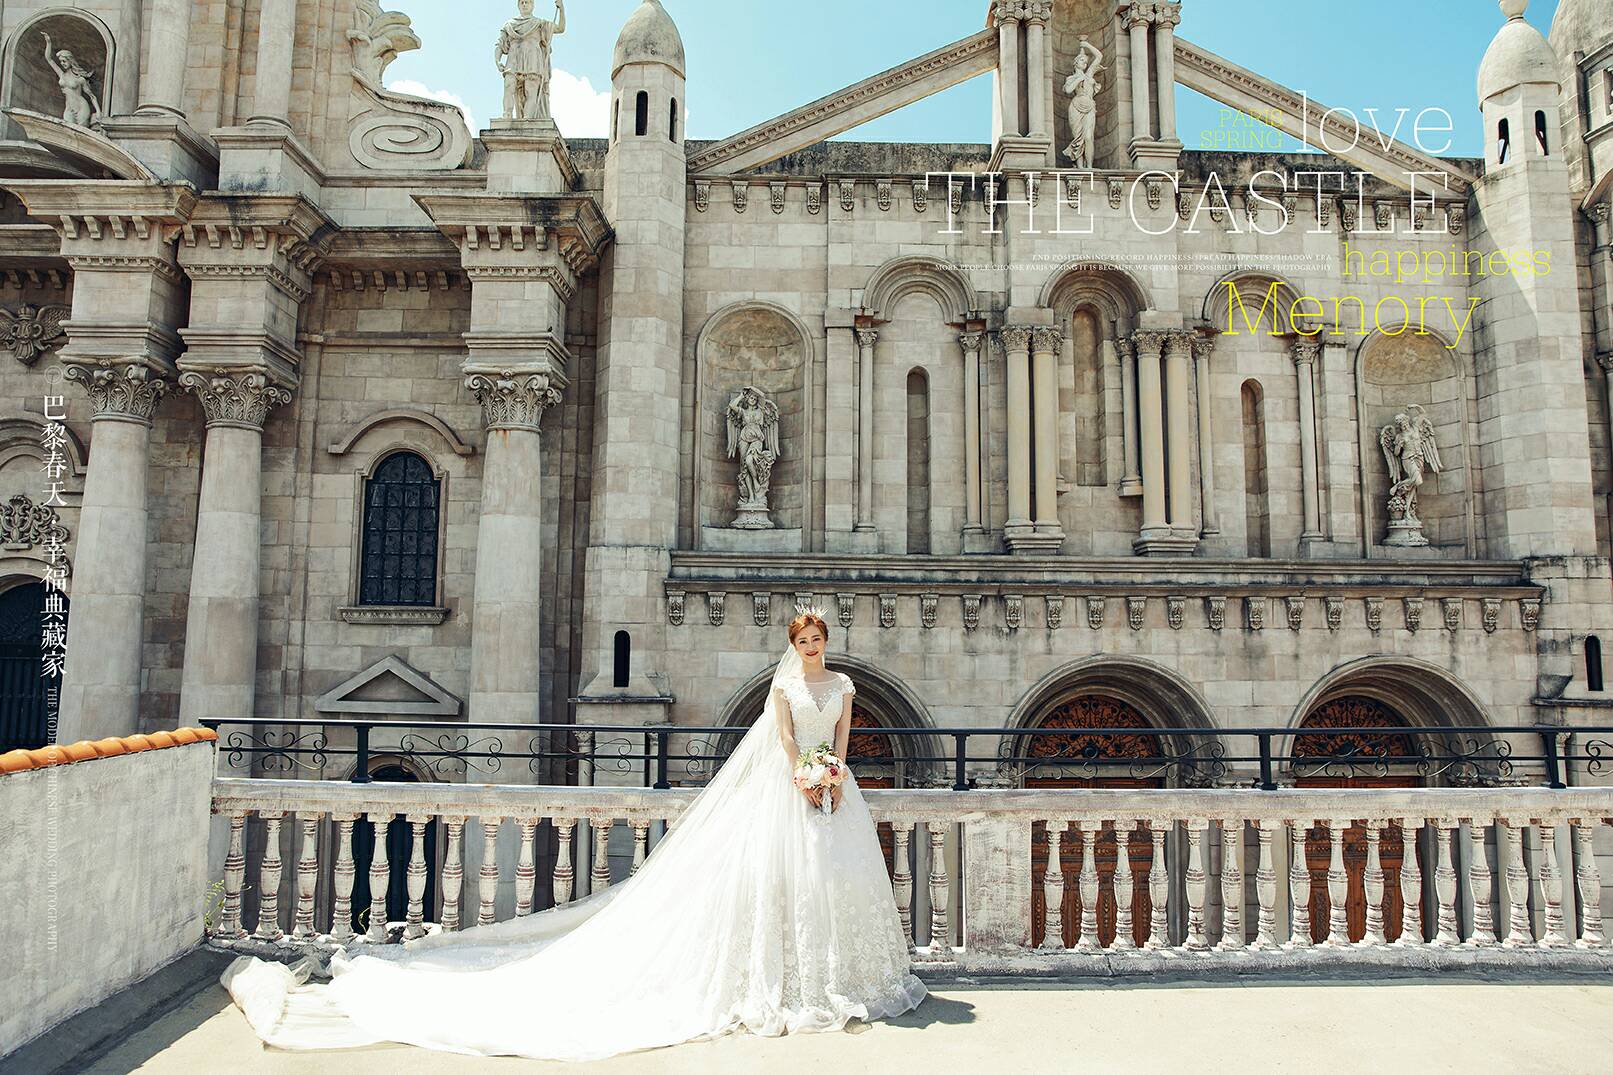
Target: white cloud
(419, 89)
(580, 110)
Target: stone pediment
(390, 690)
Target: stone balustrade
(1422, 877)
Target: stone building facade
(370, 417)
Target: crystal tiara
(813, 610)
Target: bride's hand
(813, 796)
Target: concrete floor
(1252, 1027)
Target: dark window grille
(399, 559)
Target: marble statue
(79, 105)
(753, 439)
(1410, 448)
(1083, 87)
(522, 57)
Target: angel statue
(522, 57)
(753, 440)
(1083, 87)
(80, 107)
(1409, 447)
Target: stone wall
(105, 878)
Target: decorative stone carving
(1414, 613)
(921, 195)
(1492, 615)
(927, 603)
(1255, 612)
(1456, 219)
(32, 330)
(847, 603)
(1409, 448)
(1296, 612)
(1215, 612)
(1452, 608)
(1055, 612)
(512, 400)
(1117, 193)
(26, 525)
(1083, 87)
(242, 400)
(715, 610)
(753, 427)
(884, 196)
(1014, 611)
(761, 604)
(1529, 607)
(971, 611)
(1095, 610)
(1324, 212)
(702, 195)
(1383, 215)
(776, 195)
(887, 610)
(814, 199)
(1072, 191)
(127, 393)
(1033, 188)
(1347, 214)
(1136, 612)
(1374, 614)
(675, 607)
(1175, 612)
(1335, 613)
(522, 58)
(1155, 191)
(955, 198)
(848, 194)
(741, 195)
(391, 130)
(79, 105)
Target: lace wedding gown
(757, 913)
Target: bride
(758, 912)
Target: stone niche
(1393, 373)
(31, 84)
(765, 347)
(1095, 19)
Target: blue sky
(750, 60)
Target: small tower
(638, 446)
(1520, 91)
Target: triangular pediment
(390, 690)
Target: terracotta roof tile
(17, 761)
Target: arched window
(1503, 139)
(672, 128)
(1593, 664)
(623, 659)
(641, 123)
(1540, 134)
(1256, 504)
(398, 563)
(24, 697)
(918, 463)
(616, 119)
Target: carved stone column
(1008, 12)
(128, 296)
(1138, 18)
(1036, 18)
(1049, 342)
(1306, 351)
(866, 339)
(167, 34)
(250, 260)
(271, 94)
(973, 515)
(1179, 438)
(1166, 19)
(1203, 348)
(1016, 342)
(1150, 411)
(1131, 483)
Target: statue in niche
(753, 440)
(522, 57)
(1083, 87)
(1410, 448)
(79, 105)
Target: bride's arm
(786, 734)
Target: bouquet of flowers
(820, 767)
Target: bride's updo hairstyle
(803, 620)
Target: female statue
(80, 107)
(1083, 87)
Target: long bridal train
(755, 913)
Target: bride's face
(809, 643)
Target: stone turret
(637, 440)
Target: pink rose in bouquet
(820, 767)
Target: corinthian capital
(1178, 344)
(1149, 343)
(119, 393)
(1203, 348)
(1167, 16)
(1016, 338)
(1048, 340)
(241, 400)
(1138, 15)
(1008, 10)
(867, 337)
(971, 341)
(512, 400)
(1307, 349)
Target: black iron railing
(1193, 757)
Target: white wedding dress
(756, 912)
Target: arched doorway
(1083, 759)
(1385, 760)
(399, 845)
(24, 688)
